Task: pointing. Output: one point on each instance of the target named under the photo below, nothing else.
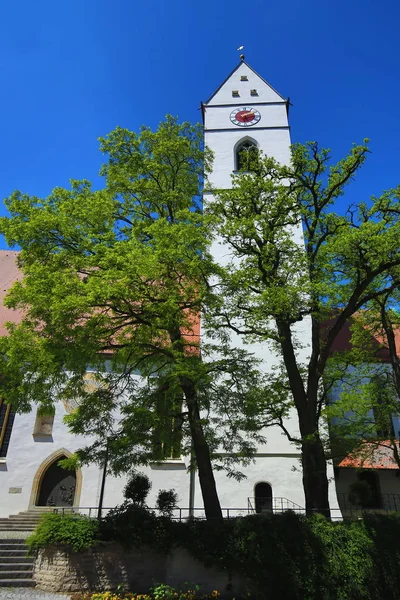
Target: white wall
(25, 455)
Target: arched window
(245, 154)
(263, 497)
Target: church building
(245, 112)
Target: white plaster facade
(278, 461)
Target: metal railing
(272, 504)
(386, 503)
(178, 514)
(184, 514)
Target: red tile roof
(372, 455)
(9, 273)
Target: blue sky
(72, 71)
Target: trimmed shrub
(75, 531)
(167, 501)
(137, 489)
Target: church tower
(247, 111)
(244, 110)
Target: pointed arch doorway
(54, 486)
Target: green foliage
(116, 279)
(137, 488)
(167, 501)
(275, 286)
(76, 532)
(131, 525)
(299, 558)
(280, 556)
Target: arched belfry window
(263, 497)
(245, 153)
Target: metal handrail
(388, 503)
(278, 504)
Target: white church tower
(245, 108)
(246, 111)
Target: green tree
(115, 280)
(277, 279)
(368, 386)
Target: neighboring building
(244, 112)
(373, 463)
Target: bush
(137, 488)
(285, 556)
(131, 525)
(167, 501)
(75, 531)
(299, 558)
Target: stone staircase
(16, 567)
(23, 521)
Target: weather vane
(242, 55)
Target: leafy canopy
(114, 280)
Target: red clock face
(245, 116)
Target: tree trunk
(315, 480)
(201, 450)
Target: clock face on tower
(245, 116)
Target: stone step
(21, 519)
(25, 518)
(36, 509)
(12, 553)
(15, 574)
(11, 545)
(17, 566)
(17, 583)
(16, 528)
(16, 560)
(18, 524)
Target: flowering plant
(159, 592)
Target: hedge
(285, 557)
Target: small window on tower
(244, 78)
(246, 156)
(235, 93)
(253, 93)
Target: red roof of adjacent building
(9, 273)
(372, 455)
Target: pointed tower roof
(265, 91)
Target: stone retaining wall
(108, 565)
